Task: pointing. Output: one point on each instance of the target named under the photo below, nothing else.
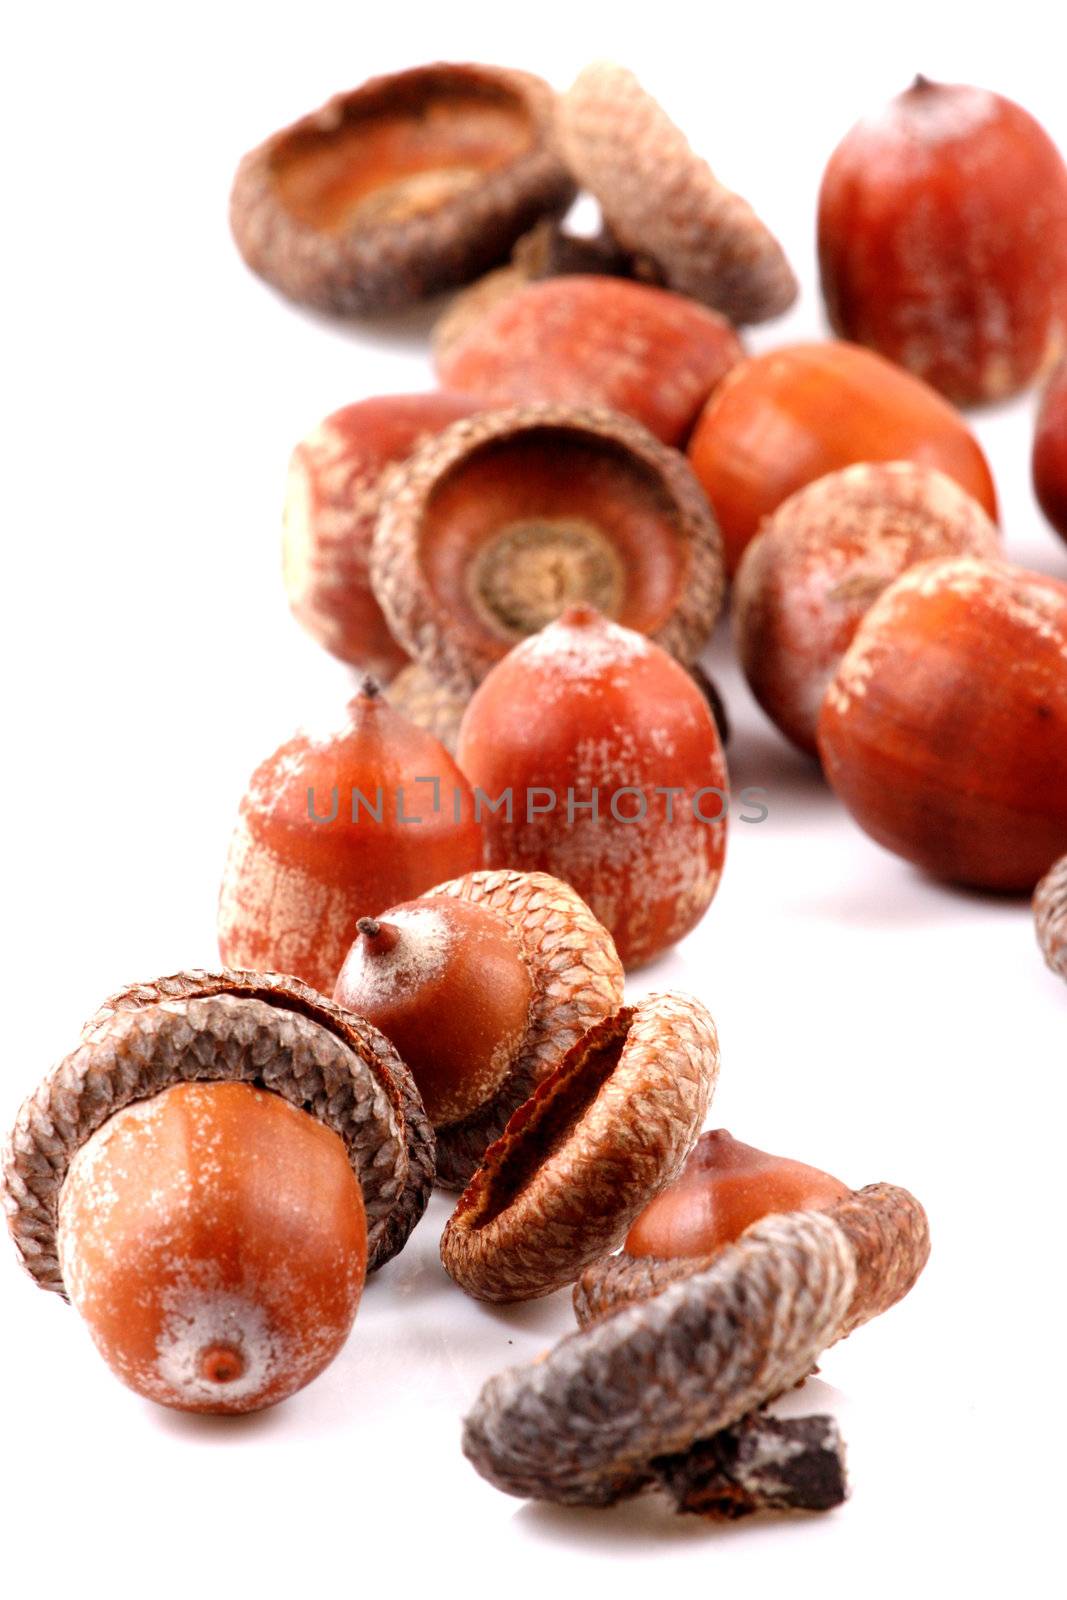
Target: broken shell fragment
(415, 182)
(585, 1425)
(504, 520)
(663, 202)
(586, 1153)
(589, 341)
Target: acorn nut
(337, 824)
(483, 984)
(209, 1175)
(819, 563)
(943, 240)
(789, 416)
(618, 785)
(332, 497)
(587, 341)
(944, 730)
(412, 183)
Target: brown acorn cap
(584, 1425)
(428, 703)
(1050, 916)
(247, 1027)
(522, 559)
(577, 981)
(663, 201)
(887, 1226)
(596, 1142)
(414, 182)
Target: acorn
(587, 341)
(482, 984)
(332, 498)
(603, 765)
(208, 1177)
(337, 824)
(414, 182)
(943, 240)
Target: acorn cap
(887, 1226)
(248, 1027)
(414, 182)
(428, 703)
(577, 1163)
(577, 981)
(472, 554)
(663, 201)
(1050, 917)
(584, 1425)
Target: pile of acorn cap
(528, 562)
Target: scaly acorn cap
(420, 231)
(887, 1226)
(579, 1160)
(247, 1027)
(1050, 916)
(428, 703)
(460, 651)
(577, 980)
(663, 201)
(584, 1425)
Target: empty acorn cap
(577, 980)
(578, 1162)
(247, 1027)
(414, 182)
(663, 201)
(584, 1425)
(496, 525)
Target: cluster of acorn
(529, 562)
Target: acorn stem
(381, 937)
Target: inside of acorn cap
(527, 525)
(543, 1126)
(399, 153)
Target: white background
(871, 1021)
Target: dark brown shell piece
(1050, 917)
(762, 1463)
(577, 979)
(662, 201)
(582, 1426)
(886, 1226)
(412, 183)
(459, 650)
(249, 1027)
(578, 1161)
